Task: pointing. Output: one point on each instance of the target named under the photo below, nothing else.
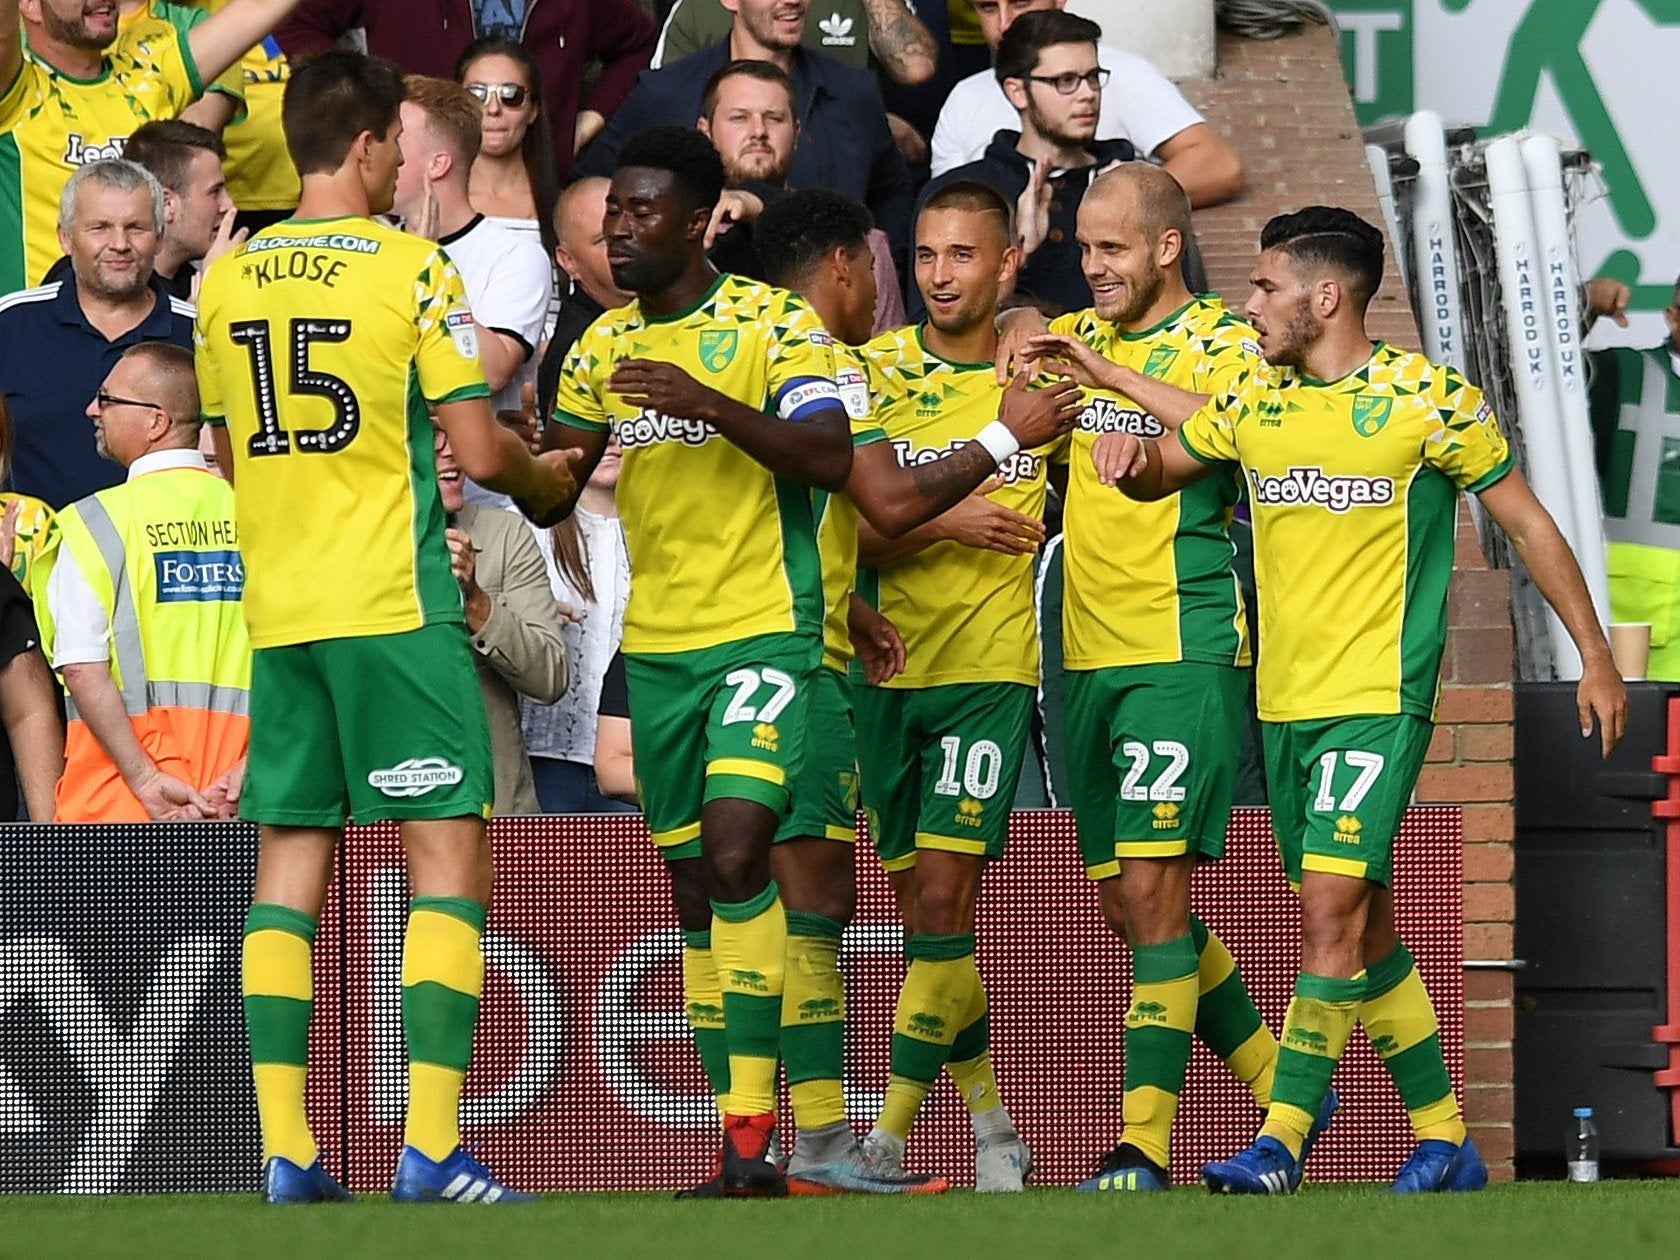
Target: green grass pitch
(1610, 1221)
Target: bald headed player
(1156, 652)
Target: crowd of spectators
(147, 144)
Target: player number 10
(981, 770)
(1369, 765)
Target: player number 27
(305, 381)
(746, 683)
(1369, 765)
(1165, 787)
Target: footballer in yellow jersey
(816, 242)
(1355, 455)
(51, 123)
(322, 343)
(1155, 648)
(721, 392)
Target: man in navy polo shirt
(59, 341)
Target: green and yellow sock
(703, 1004)
(749, 943)
(279, 988)
(1227, 1020)
(1400, 1020)
(443, 979)
(1315, 1033)
(937, 989)
(970, 1066)
(1159, 1026)
(814, 1020)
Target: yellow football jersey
(1150, 583)
(50, 124)
(966, 614)
(153, 20)
(1353, 485)
(722, 548)
(837, 515)
(34, 528)
(320, 344)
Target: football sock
(970, 1066)
(1159, 1026)
(814, 1020)
(279, 988)
(931, 1005)
(1400, 1020)
(703, 1003)
(1315, 1032)
(443, 978)
(1227, 1020)
(749, 943)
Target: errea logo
(837, 31)
(1313, 487)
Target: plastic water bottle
(1583, 1147)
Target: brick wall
(1284, 104)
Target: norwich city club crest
(1159, 358)
(717, 348)
(1370, 413)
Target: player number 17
(1369, 765)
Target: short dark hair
(166, 147)
(331, 99)
(796, 231)
(745, 68)
(1031, 33)
(974, 196)
(695, 166)
(1329, 236)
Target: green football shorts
(940, 766)
(1339, 789)
(724, 722)
(1152, 753)
(825, 795)
(386, 726)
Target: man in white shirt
(507, 273)
(1139, 104)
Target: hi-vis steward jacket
(161, 552)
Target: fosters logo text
(1313, 487)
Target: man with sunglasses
(1047, 66)
(139, 599)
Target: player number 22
(1165, 787)
(305, 381)
(1369, 765)
(746, 683)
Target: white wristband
(999, 442)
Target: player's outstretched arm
(1551, 564)
(1146, 471)
(229, 34)
(895, 499)
(975, 521)
(544, 486)
(1071, 358)
(816, 449)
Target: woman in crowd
(513, 176)
(589, 569)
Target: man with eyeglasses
(1139, 104)
(1047, 67)
(57, 340)
(139, 599)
